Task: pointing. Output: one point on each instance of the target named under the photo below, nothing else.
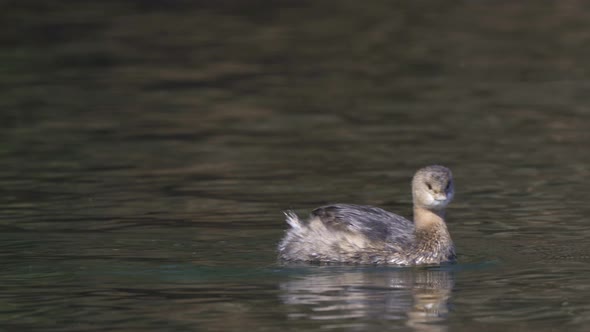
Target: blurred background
(147, 149)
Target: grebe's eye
(429, 186)
(448, 185)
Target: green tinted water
(148, 148)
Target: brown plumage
(346, 233)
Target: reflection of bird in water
(419, 298)
(345, 233)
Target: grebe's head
(432, 187)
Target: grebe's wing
(373, 222)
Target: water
(148, 149)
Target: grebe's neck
(432, 235)
(425, 219)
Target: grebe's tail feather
(292, 219)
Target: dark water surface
(148, 148)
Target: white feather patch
(292, 219)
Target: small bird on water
(357, 234)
